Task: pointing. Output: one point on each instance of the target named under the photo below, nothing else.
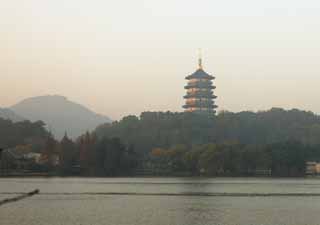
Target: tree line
(166, 129)
(234, 159)
(88, 156)
(277, 141)
(24, 132)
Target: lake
(162, 201)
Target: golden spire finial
(200, 59)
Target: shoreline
(47, 175)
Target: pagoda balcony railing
(199, 80)
(200, 84)
(200, 110)
(198, 90)
(203, 92)
(207, 101)
(194, 81)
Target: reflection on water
(87, 203)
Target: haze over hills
(10, 115)
(60, 114)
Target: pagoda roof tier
(200, 85)
(200, 95)
(200, 74)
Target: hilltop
(60, 115)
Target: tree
(50, 153)
(87, 154)
(211, 160)
(288, 158)
(167, 129)
(21, 133)
(111, 159)
(67, 155)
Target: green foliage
(67, 155)
(113, 158)
(50, 153)
(20, 133)
(288, 158)
(231, 144)
(166, 129)
(233, 159)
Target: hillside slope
(10, 115)
(60, 115)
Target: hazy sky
(122, 57)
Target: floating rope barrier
(204, 194)
(18, 198)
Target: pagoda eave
(199, 86)
(209, 77)
(200, 96)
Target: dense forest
(233, 159)
(88, 156)
(166, 129)
(24, 132)
(274, 143)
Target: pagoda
(200, 97)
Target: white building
(312, 168)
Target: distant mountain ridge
(10, 115)
(60, 114)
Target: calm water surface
(162, 201)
